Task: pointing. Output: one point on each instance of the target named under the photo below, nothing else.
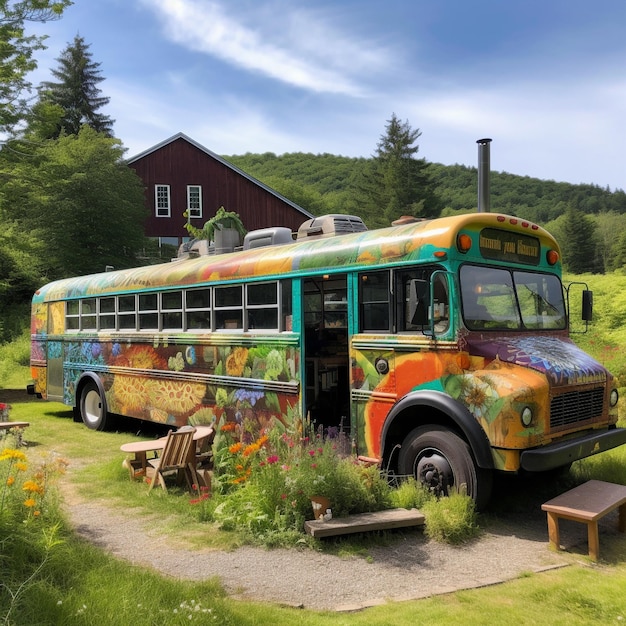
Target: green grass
(85, 585)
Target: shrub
(452, 519)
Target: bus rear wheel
(442, 461)
(93, 407)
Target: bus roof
(416, 241)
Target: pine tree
(578, 242)
(76, 92)
(399, 183)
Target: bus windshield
(502, 299)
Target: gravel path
(413, 567)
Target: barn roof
(221, 160)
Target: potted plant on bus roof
(225, 229)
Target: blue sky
(545, 79)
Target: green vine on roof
(221, 219)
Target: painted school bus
(441, 346)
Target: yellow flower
(236, 361)
(30, 502)
(12, 454)
(21, 466)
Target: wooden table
(9, 425)
(137, 451)
(587, 503)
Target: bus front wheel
(93, 407)
(442, 461)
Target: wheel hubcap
(93, 406)
(433, 469)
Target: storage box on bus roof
(331, 225)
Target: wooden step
(364, 522)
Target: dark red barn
(181, 175)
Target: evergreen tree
(394, 182)
(77, 92)
(578, 242)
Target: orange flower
(228, 427)
(234, 449)
(33, 487)
(10, 480)
(30, 502)
(251, 449)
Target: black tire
(93, 409)
(441, 460)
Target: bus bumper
(566, 452)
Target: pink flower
(272, 459)
(311, 452)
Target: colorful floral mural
(494, 380)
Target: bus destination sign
(501, 245)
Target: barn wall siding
(180, 162)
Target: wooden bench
(9, 425)
(587, 504)
(363, 522)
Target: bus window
(106, 319)
(172, 310)
(540, 299)
(374, 295)
(488, 298)
(198, 309)
(148, 311)
(72, 315)
(412, 295)
(127, 313)
(441, 303)
(88, 320)
(229, 307)
(262, 306)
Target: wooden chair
(178, 456)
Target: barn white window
(162, 200)
(194, 200)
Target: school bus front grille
(576, 406)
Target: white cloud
(295, 47)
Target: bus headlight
(614, 397)
(527, 416)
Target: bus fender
(458, 414)
(85, 377)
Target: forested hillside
(589, 221)
(328, 179)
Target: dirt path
(411, 568)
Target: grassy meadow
(51, 576)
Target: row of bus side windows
(229, 307)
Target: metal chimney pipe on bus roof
(484, 168)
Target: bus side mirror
(587, 313)
(419, 296)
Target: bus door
(54, 352)
(327, 388)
